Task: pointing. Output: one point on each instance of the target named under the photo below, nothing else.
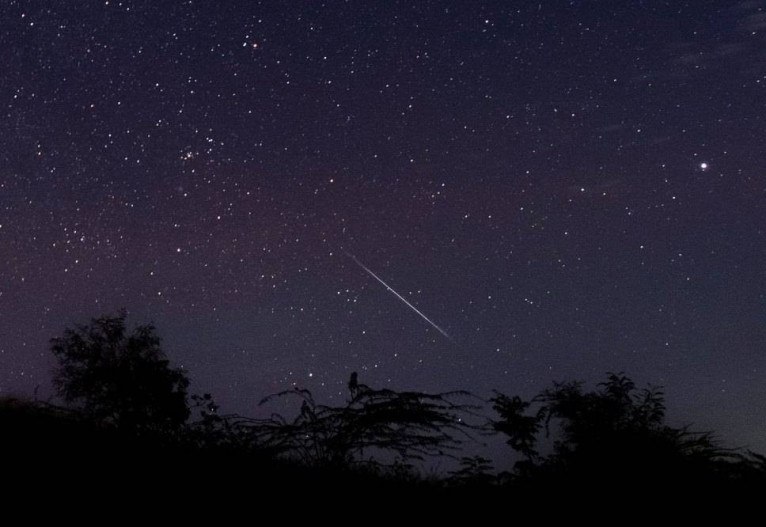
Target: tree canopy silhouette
(118, 377)
(614, 433)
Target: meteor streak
(400, 297)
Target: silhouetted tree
(120, 378)
(614, 433)
(405, 425)
(521, 429)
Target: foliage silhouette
(521, 429)
(222, 432)
(615, 435)
(119, 378)
(473, 471)
(376, 423)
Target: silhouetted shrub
(373, 423)
(613, 436)
(120, 378)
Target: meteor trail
(400, 297)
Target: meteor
(400, 297)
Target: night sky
(564, 188)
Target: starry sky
(565, 188)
